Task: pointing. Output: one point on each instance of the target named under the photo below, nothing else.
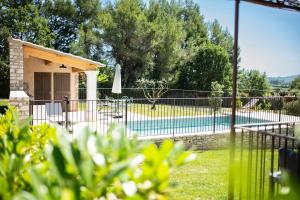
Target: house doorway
(61, 85)
(42, 85)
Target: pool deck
(104, 119)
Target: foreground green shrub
(293, 107)
(40, 163)
(20, 147)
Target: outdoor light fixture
(62, 66)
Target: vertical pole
(173, 119)
(280, 108)
(214, 121)
(126, 110)
(271, 181)
(233, 112)
(66, 100)
(31, 111)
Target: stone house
(44, 74)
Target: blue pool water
(186, 125)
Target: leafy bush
(153, 89)
(41, 163)
(216, 91)
(276, 103)
(293, 107)
(239, 102)
(20, 147)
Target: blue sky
(269, 38)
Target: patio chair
(288, 160)
(109, 102)
(249, 105)
(129, 100)
(54, 112)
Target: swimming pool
(186, 125)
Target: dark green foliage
(293, 107)
(21, 19)
(209, 63)
(4, 79)
(216, 91)
(276, 103)
(62, 21)
(128, 33)
(221, 37)
(149, 41)
(253, 83)
(295, 86)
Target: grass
(207, 176)
(204, 178)
(170, 110)
(3, 102)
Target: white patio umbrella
(117, 87)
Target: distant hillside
(282, 80)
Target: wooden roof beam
(277, 4)
(56, 58)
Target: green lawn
(207, 176)
(204, 178)
(3, 102)
(169, 110)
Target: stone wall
(16, 65)
(204, 141)
(20, 100)
(214, 141)
(17, 97)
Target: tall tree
(168, 37)
(194, 26)
(295, 85)
(128, 37)
(89, 42)
(21, 19)
(253, 83)
(63, 22)
(219, 36)
(209, 63)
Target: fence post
(66, 100)
(31, 111)
(215, 108)
(174, 119)
(280, 108)
(126, 111)
(271, 180)
(249, 117)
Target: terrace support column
(233, 111)
(91, 95)
(17, 97)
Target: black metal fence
(172, 93)
(165, 116)
(264, 152)
(138, 93)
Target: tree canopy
(295, 85)
(156, 40)
(253, 83)
(209, 63)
